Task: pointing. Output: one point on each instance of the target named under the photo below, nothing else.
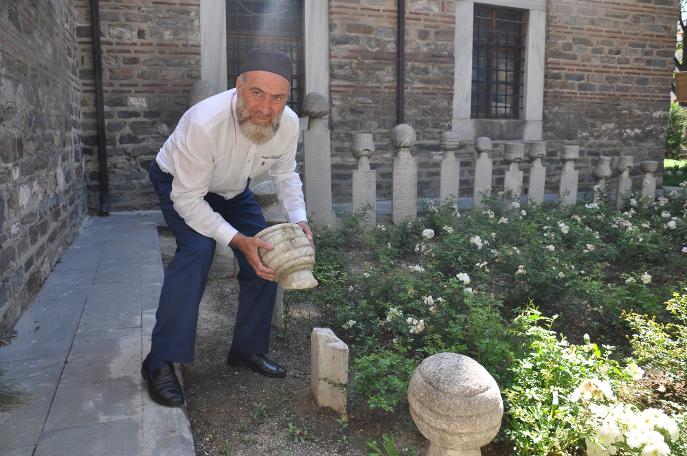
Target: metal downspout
(400, 62)
(104, 206)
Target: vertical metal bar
(400, 62)
(104, 207)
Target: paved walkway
(78, 351)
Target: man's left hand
(308, 232)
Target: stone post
(328, 369)
(200, 90)
(649, 168)
(278, 309)
(404, 186)
(450, 168)
(601, 172)
(537, 185)
(624, 180)
(483, 170)
(455, 404)
(364, 180)
(513, 154)
(318, 169)
(569, 175)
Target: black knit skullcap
(264, 59)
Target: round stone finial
(625, 162)
(315, 105)
(513, 152)
(450, 140)
(537, 150)
(602, 170)
(648, 166)
(455, 404)
(570, 153)
(403, 136)
(362, 146)
(483, 144)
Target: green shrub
(662, 345)
(675, 134)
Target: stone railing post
(328, 369)
(513, 154)
(602, 171)
(537, 185)
(404, 186)
(649, 168)
(364, 180)
(200, 90)
(455, 404)
(449, 189)
(624, 180)
(483, 170)
(318, 169)
(569, 175)
(278, 309)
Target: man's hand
(307, 231)
(249, 247)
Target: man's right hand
(249, 247)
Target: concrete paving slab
(116, 438)
(172, 427)
(24, 451)
(95, 402)
(80, 257)
(35, 381)
(78, 351)
(87, 363)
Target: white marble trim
(213, 44)
(533, 85)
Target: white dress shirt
(207, 153)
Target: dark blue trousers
(174, 334)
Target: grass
(675, 172)
(8, 396)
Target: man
(201, 175)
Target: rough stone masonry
(42, 197)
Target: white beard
(259, 134)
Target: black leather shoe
(163, 385)
(256, 362)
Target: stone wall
(608, 75)
(42, 197)
(151, 55)
(363, 85)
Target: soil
(234, 411)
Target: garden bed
(485, 283)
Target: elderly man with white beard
(201, 175)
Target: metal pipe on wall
(400, 62)
(104, 206)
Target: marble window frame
(529, 127)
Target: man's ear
(238, 83)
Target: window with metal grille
(497, 66)
(276, 24)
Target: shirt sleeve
(193, 164)
(288, 182)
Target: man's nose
(264, 106)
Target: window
(276, 24)
(497, 66)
